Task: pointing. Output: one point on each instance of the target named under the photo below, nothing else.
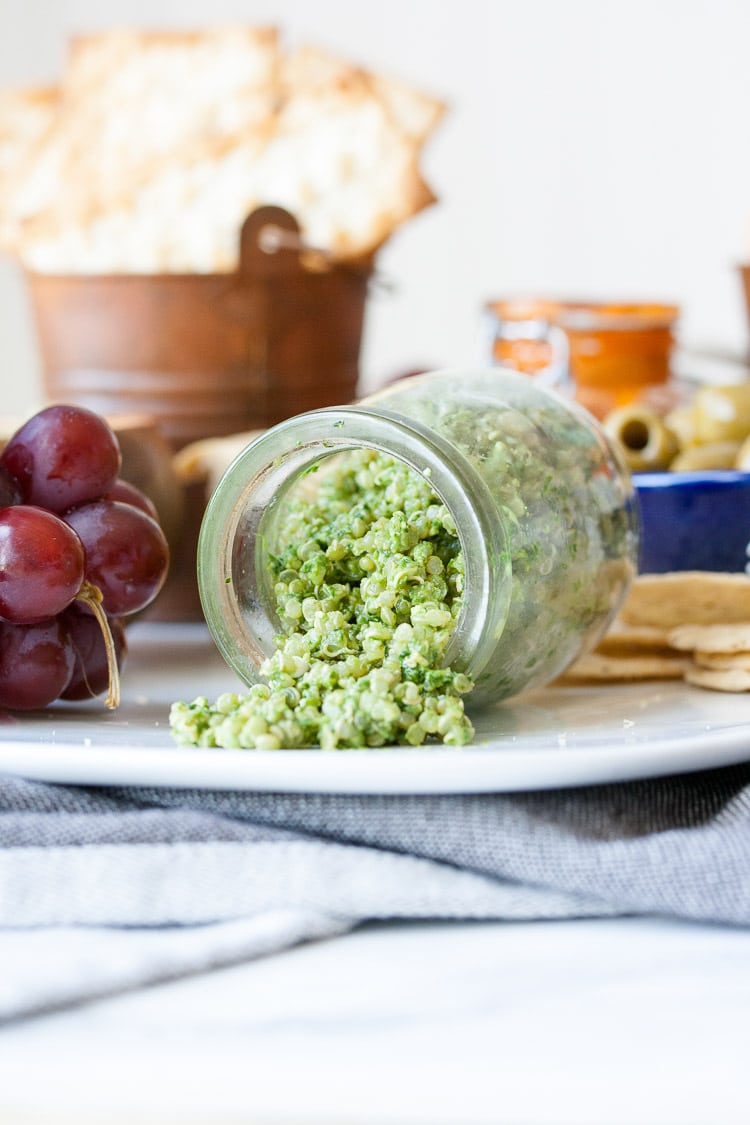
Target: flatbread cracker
(622, 639)
(690, 597)
(208, 459)
(730, 679)
(310, 68)
(721, 661)
(596, 668)
(134, 101)
(26, 115)
(347, 197)
(734, 637)
(215, 125)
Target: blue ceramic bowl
(694, 521)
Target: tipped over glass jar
(541, 505)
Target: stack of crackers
(689, 625)
(154, 148)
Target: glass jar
(618, 352)
(542, 503)
(520, 333)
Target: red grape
(126, 554)
(41, 564)
(127, 493)
(36, 663)
(79, 548)
(64, 455)
(10, 493)
(91, 672)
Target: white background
(591, 149)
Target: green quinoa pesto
(368, 580)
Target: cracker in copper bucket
(198, 215)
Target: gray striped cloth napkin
(103, 890)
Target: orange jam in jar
(617, 352)
(521, 334)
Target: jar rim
(231, 545)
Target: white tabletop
(609, 1021)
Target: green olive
(681, 421)
(722, 413)
(647, 443)
(712, 455)
(743, 456)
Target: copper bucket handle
(272, 244)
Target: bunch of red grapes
(80, 549)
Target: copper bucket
(206, 355)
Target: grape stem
(91, 596)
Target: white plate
(548, 738)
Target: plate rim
(480, 767)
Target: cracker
(722, 660)
(598, 668)
(189, 222)
(693, 597)
(208, 458)
(336, 146)
(415, 114)
(622, 639)
(734, 637)
(136, 104)
(343, 168)
(26, 115)
(729, 679)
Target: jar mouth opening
(234, 579)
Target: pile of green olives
(712, 431)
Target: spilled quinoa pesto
(368, 584)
